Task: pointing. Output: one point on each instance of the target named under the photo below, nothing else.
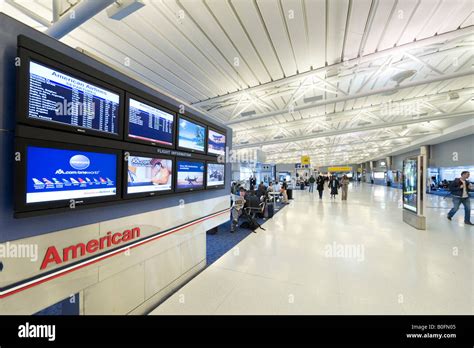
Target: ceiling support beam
(75, 16)
(456, 34)
(354, 130)
(354, 96)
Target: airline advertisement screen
(149, 174)
(191, 135)
(150, 124)
(55, 174)
(190, 175)
(215, 143)
(62, 99)
(215, 174)
(410, 184)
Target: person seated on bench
(237, 208)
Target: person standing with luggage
(344, 187)
(284, 187)
(320, 185)
(460, 191)
(334, 185)
(311, 180)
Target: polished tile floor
(334, 257)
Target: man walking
(311, 180)
(460, 191)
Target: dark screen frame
(153, 194)
(192, 120)
(155, 104)
(184, 159)
(207, 141)
(23, 84)
(207, 170)
(21, 206)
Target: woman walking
(320, 185)
(344, 186)
(334, 185)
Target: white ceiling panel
(378, 24)
(296, 23)
(229, 21)
(336, 28)
(359, 12)
(254, 26)
(276, 26)
(402, 13)
(316, 22)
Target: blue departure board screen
(63, 99)
(148, 123)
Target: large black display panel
(53, 95)
(215, 142)
(189, 175)
(148, 123)
(215, 175)
(51, 175)
(148, 174)
(191, 135)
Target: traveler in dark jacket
(320, 185)
(334, 186)
(460, 191)
(311, 181)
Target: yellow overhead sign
(339, 169)
(305, 160)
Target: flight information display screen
(215, 174)
(190, 175)
(191, 135)
(56, 174)
(150, 124)
(215, 143)
(149, 174)
(63, 99)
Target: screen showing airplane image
(216, 143)
(149, 174)
(190, 175)
(55, 174)
(150, 124)
(191, 135)
(215, 174)
(60, 98)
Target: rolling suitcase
(289, 193)
(269, 211)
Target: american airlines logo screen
(57, 174)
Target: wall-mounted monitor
(215, 142)
(53, 95)
(191, 135)
(189, 175)
(147, 175)
(215, 176)
(410, 184)
(56, 175)
(148, 123)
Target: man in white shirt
(460, 191)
